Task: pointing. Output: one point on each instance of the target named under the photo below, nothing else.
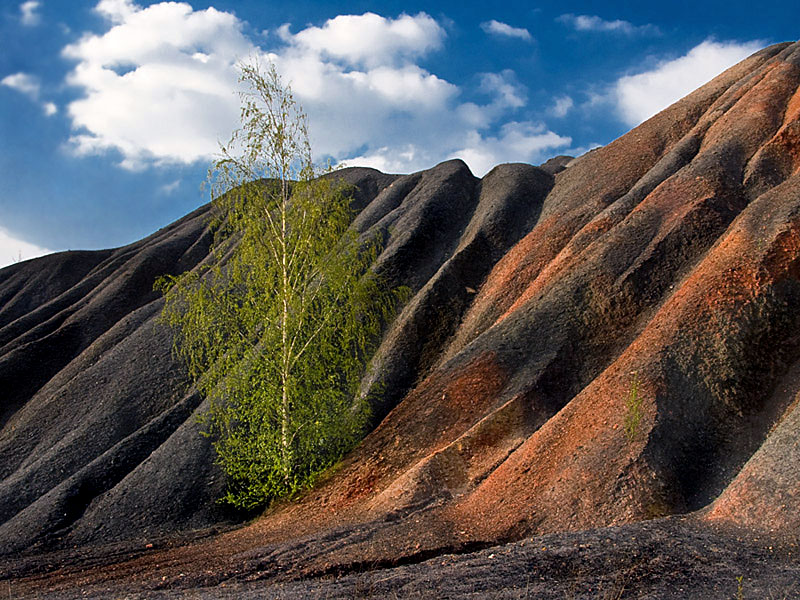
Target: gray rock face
(100, 441)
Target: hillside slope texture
(606, 348)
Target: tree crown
(276, 328)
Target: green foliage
(740, 587)
(633, 410)
(276, 328)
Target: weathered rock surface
(662, 270)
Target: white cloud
(369, 39)
(28, 14)
(516, 142)
(24, 83)
(561, 106)
(503, 29)
(390, 160)
(400, 119)
(14, 250)
(30, 86)
(169, 188)
(158, 88)
(639, 97)
(356, 79)
(595, 23)
(116, 11)
(158, 85)
(508, 92)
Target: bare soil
(676, 557)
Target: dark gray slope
(89, 386)
(100, 441)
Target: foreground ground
(665, 558)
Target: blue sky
(111, 110)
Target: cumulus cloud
(525, 141)
(28, 13)
(369, 39)
(158, 85)
(517, 142)
(116, 11)
(638, 97)
(508, 92)
(399, 119)
(359, 82)
(595, 23)
(390, 160)
(561, 106)
(30, 86)
(14, 250)
(503, 29)
(158, 88)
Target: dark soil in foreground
(675, 557)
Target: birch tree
(277, 328)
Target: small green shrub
(739, 588)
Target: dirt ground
(665, 558)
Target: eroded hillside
(662, 270)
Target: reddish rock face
(613, 343)
(662, 255)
